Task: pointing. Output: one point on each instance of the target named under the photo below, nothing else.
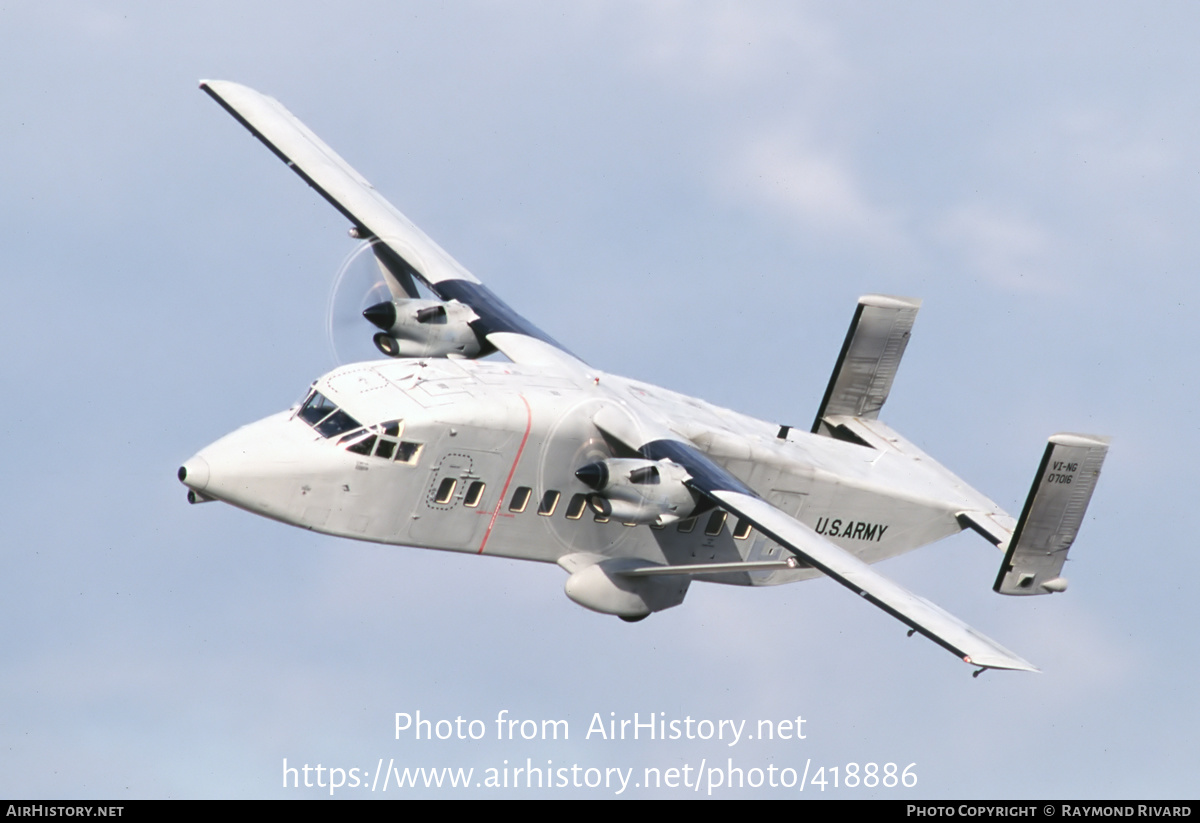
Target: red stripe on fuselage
(511, 472)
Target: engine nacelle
(424, 328)
(634, 490)
(602, 588)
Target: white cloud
(1005, 249)
(811, 187)
(719, 46)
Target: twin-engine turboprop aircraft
(633, 490)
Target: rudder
(867, 364)
(1052, 515)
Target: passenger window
(445, 491)
(474, 494)
(743, 529)
(715, 523)
(548, 504)
(576, 506)
(520, 499)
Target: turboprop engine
(635, 490)
(424, 328)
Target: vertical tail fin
(1052, 515)
(867, 365)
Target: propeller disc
(358, 285)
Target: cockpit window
(325, 417)
(378, 440)
(336, 423)
(408, 453)
(363, 447)
(316, 407)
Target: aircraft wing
(930, 620)
(409, 251)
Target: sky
(725, 179)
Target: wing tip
(1080, 440)
(889, 301)
(1011, 663)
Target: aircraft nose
(194, 473)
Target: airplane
(633, 490)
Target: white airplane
(632, 489)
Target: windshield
(325, 417)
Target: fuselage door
(463, 488)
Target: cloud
(810, 187)
(1005, 249)
(723, 46)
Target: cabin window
(520, 499)
(549, 503)
(445, 491)
(715, 523)
(576, 506)
(474, 494)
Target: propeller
(358, 285)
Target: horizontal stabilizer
(1052, 515)
(869, 359)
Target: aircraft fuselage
(480, 457)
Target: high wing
(402, 247)
(407, 253)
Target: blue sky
(726, 179)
